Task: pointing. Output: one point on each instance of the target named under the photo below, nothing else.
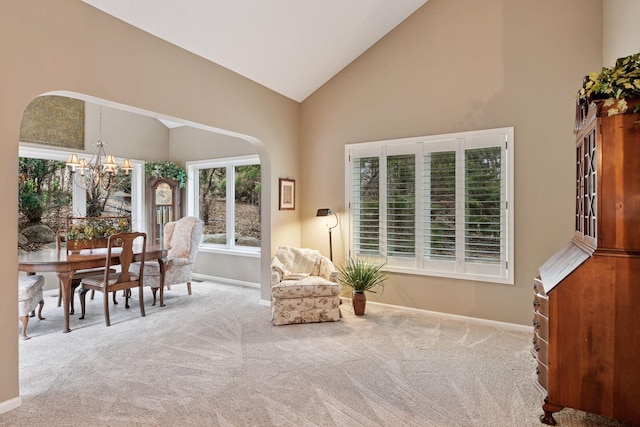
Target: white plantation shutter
(365, 209)
(483, 216)
(439, 206)
(401, 206)
(435, 205)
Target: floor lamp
(327, 212)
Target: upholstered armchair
(304, 287)
(30, 296)
(182, 237)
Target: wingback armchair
(182, 237)
(304, 287)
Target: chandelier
(101, 171)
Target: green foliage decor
(93, 228)
(361, 275)
(614, 84)
(166, 169)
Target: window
(436, 205)
(225, 194)
(128, 199)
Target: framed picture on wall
(287, 194)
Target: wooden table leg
(65, 279)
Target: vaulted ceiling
(290, 46)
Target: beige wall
(128, 135)
(70, 46)
(460, 65)
(189, 144)
(621, 35)
(228, 268)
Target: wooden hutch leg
(549, 409)
(547, 418)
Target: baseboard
(225, 280)
(11, 404)
(232, 282)
(496, 323)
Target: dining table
(65, 263)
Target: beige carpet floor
(214, 359)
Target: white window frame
(79, 196)
(193, 201)
(502, 272)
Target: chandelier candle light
(97, 173)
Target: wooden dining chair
(123, 280)
(77, 276)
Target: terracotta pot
(359, 302)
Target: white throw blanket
(295, 263)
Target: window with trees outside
(436, 205)
(225, 194)
(46, 194)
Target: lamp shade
(73, 161)
(127, 166)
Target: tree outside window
(226, 196)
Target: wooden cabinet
(540, 347)
(163, 199)
(586, 327)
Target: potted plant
(361, 275)
(615, 85)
